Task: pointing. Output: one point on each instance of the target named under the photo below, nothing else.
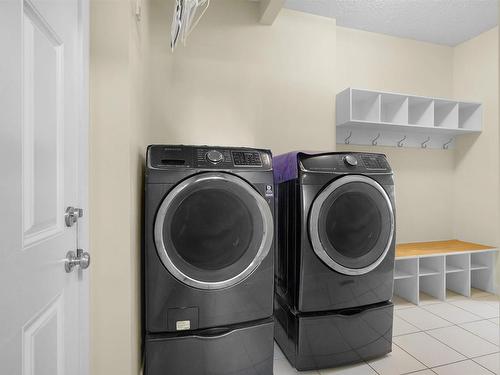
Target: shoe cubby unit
(434, 268)
(367, 117)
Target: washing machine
(335, 257)
(208, 260)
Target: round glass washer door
(213, 230)
(351, 225)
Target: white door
(43, 153)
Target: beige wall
(109, 189)
(476, 174)
(117, 139)
(424, 178)
(241, 83)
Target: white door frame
(83, 175)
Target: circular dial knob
(214, 156)
(350, 160)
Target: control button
(214, 156)
(350, 160)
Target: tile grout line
(370, 366)
(455, 350)
(494, 343)
(464, 360)
(430, 312)
(481, 364)
(405, 322)
(470, 312)
(411, 355)
(425, 332)
(452, 323)
(472, 333)
(417, 371)
(444, 364)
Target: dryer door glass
(213, 230)
(352, 224)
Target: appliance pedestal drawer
(335, 338)
(245, 349)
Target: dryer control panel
(341, 162)
(207, 157)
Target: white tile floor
(457, 337)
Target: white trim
(447, 253)
(269, 10)
(83, 182)
(413, 96)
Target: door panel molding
(42, 130)
(36, 327)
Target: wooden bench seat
(438, 247)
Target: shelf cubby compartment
(431, 276)
(445, 114)
(481, 266)
(430, 266)
(433, 285)
(407, 289)
(470, 116)
(405, 268)
(458, 273)
(420, 111)
(459, 282)
(394, 109)
(406, 279)
(457, 263)
(365, 106)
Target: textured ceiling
(448, 22)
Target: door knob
(79, 259)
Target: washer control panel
(208, 157)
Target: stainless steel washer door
(213, 230)
(351, 224)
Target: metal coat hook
(347, 140)
(424, 143)
(400, 142)
(446, 145)
(374, 141)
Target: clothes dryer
(335, 257)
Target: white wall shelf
(376, 118)
(435, 274)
